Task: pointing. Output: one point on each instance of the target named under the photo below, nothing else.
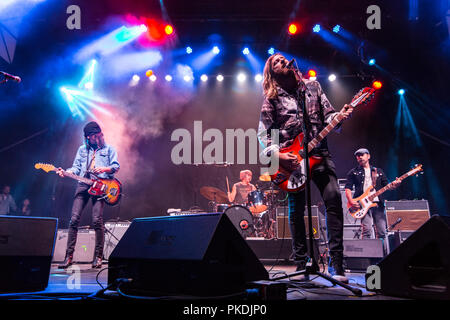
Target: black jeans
(324, 176)
(377, 217)
(82, 198)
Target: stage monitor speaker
(359, 254)
(420, 267)
(26, 250)
(413, 214)
(283, 230)
(84, 248)
(200, 255)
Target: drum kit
(256, 218)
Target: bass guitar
(109, 190)
(365, 201)
(295, 180)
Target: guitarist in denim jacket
(93, 158)
(363, 176)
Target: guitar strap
(374, 177)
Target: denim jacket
(356, 176)
(104, 157)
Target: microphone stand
(313, 268)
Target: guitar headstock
(363, 96)
(45, 166)
(416, 170)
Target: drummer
(239, 192)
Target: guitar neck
(81, 179)
(315, 142)
(386, 187)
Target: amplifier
(396, 238)
(84, 249)
(283, 231)
(114, 231)
(360, 254)
(411, 213)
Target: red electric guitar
(295, 180)
(108, 189)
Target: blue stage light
(401, 92)
(372, 62)
(188, 50)
(336, 28)
(316, 28)
(216, 50)
(271, 51)
(245, 51)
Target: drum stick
(228, 186)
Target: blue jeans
(324, 176)
(375, 216)
(82, 198)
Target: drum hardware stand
(311, 268)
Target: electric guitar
(365, 201)
(295, 180)
(109, 190)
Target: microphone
(290, 63)
(396, 223)
(10, 77)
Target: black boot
(68, 261)
(97, 263)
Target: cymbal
(265, 177)
(212, 193)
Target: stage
(62, 287)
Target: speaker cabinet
(200, 255)
(84, 248)
(114, 231)
(283, 231)
(420, 266)
(26, 250)
(406, 215)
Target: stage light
(143, 28)
(372, 62)
(336, 28)
(216, 50)
(204, 77)
(88, 85)
(188, 50)
(316, 28)
(168, 77)
(245, 51)
(293, 28)
(136, 78)
(168, 29)
(258, 77)
(152, 78)
(187, 78)
(149, 73)
(312, 73)
(241, 77)
(401, 92)
(271, 51)
(377, 84)
(332, 77)
(219, 78)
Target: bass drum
(242, 219)
(257, 203)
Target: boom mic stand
(312, 269)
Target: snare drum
(256, 202)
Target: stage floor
(63, 283)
